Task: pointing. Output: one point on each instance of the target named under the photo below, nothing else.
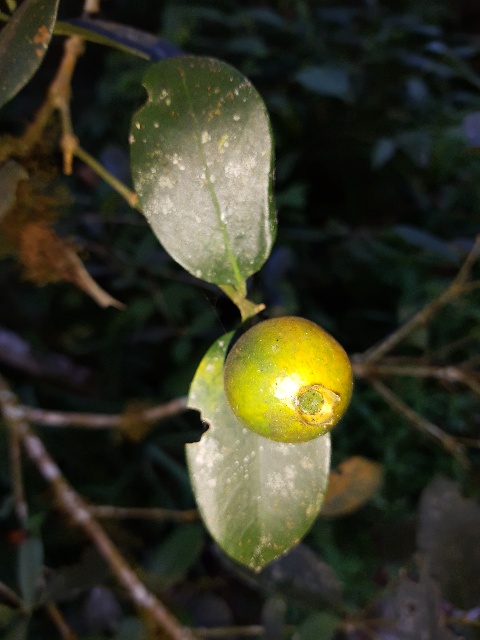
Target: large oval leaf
(202, 167)
(257, 497)
(23, 44)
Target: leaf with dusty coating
(202, 165)
(257, 497)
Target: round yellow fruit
(288, 380)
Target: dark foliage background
(375, 109)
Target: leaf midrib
(240, 281)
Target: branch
(457, 287)
(19, 502)
(78, 511)
(66, 633)
(10, 596)
(450, 373)
(99, 420)
(130, 196)
(448, 442)
(138, 513)
(254, 630)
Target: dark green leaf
(326, 80)
(119, 36)
(23, 43)
(318, 626)
(383, 151)
(67, 581)
(202, 167)
(30, 568)
(177, 554)
(7, 615)
(427, 241)
(257, 497)
(19, 630)
(417, 145)
(132, 629)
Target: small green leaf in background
(23, 43)
(256, 496)
(131, 629)
(318, 626)
(326, 80)
(177, 554)
(30, 568)
(18, 630)
(202, 164)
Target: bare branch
(49, 418)
(138, 513)
(250, 631)
(78, 511)
(450, 373)
(66, 633)
(10, 596)
(448, 442)
(20, 504)
(456, 288)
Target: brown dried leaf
(351, 485)
(48, 258)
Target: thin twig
(247, 631)
(130, 196)
(49, 418)
(473, 443)
(139, 513)
(65, 631)
(448, 442)
(60, 92)
(19, 502)
(78, 511)
(10, 596)
(457, 287)
(449, 373)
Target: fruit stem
(247, 308)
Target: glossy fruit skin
(288, 379)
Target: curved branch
(78, 511)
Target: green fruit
(288, 380)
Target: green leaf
(326, 80)
(23, 43)
(30, 568)
(119, 36)
(131, 629)
(18, 630)
(7, 615)
(318, 626)
(202, 164)
(177, 553)
(256, 496)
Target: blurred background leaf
(23, 43)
